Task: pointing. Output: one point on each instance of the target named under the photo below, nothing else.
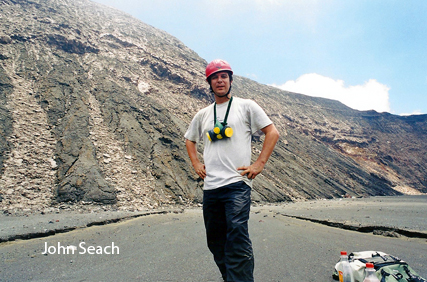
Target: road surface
(172, 247)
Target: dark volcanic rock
(6, 88)
(94, 105)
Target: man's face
(220, 83)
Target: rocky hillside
(94, 105)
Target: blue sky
(367, 54)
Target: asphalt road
(404, 213)
(171, 247)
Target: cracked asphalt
(403, 214)
(170, 246)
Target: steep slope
(94, 105)
(343, 151)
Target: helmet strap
(220, 96)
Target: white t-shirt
(223, 157)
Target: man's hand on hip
(200, 170)
(251, 171)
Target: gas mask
(221, 130)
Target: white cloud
(252, 76)
(416, 112)
(371, 95)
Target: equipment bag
(388, 268)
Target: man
(226, 127)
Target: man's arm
(192, 153)
(271, 137)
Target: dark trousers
(226, 214)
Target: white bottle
(370, 275)
(345, 272)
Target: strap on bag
(412, 277)
(385, 274)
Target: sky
(370, 55)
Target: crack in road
(376, 230)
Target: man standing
(226, 127)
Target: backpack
(388, 268)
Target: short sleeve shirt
(223, 157)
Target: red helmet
(217, 66)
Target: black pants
(226, 214)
